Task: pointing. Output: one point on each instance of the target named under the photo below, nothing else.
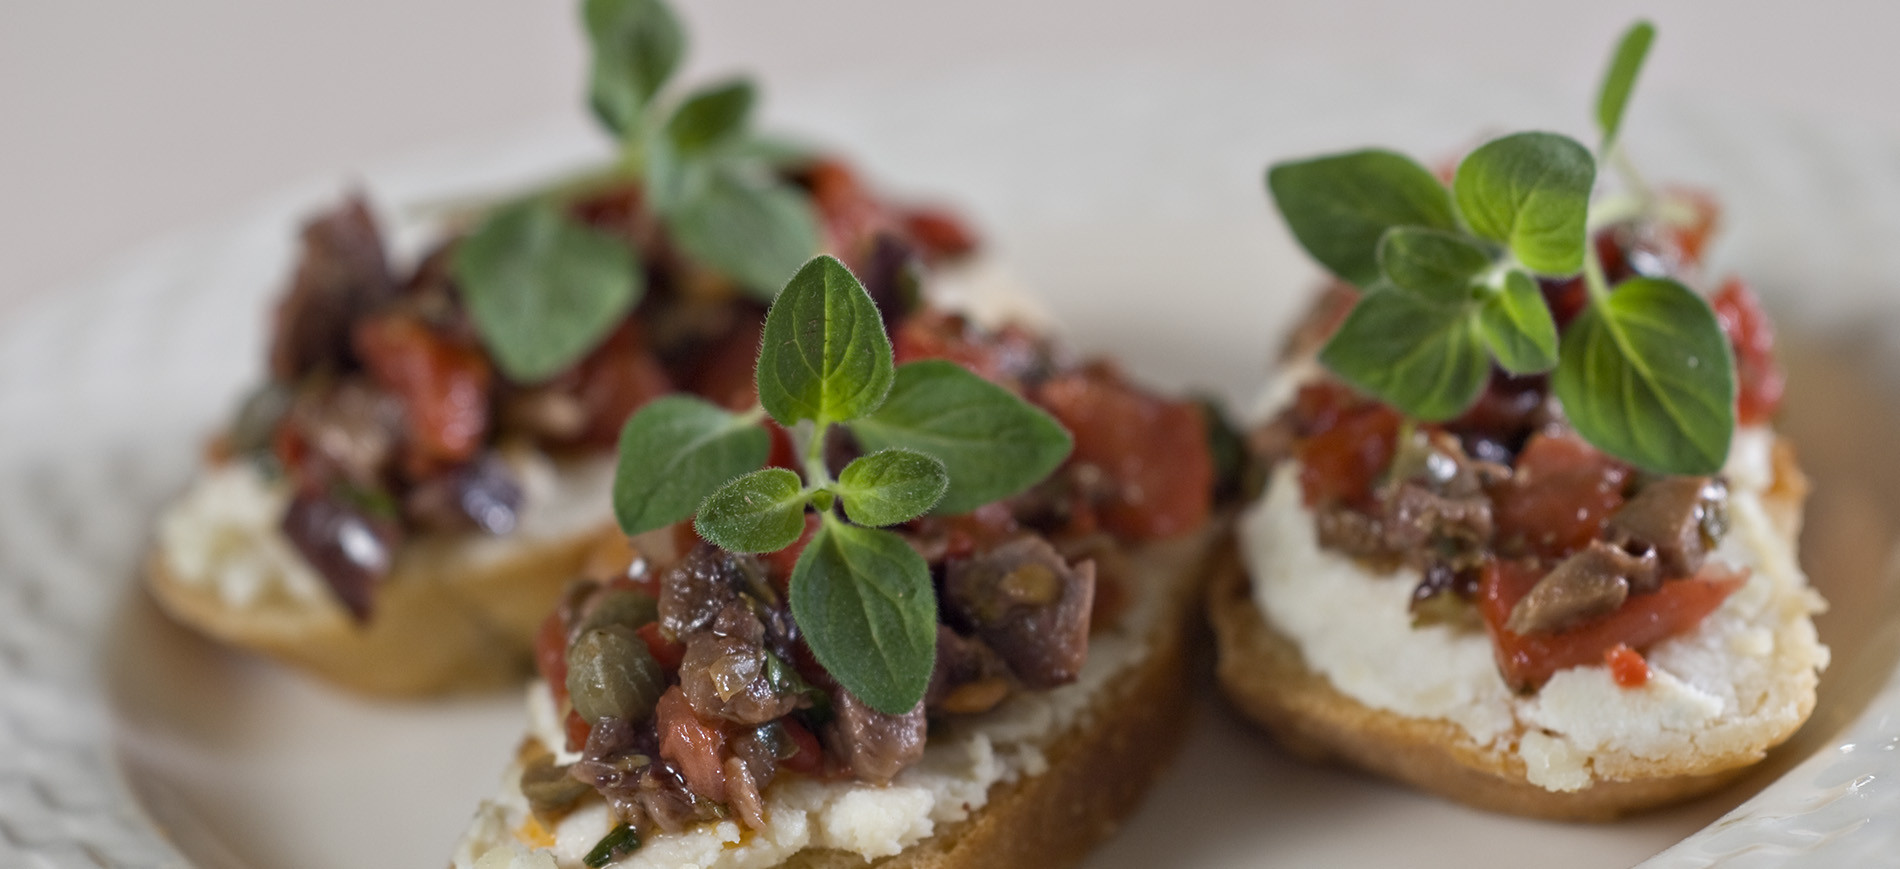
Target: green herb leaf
(637, 46)
(1436, 264)
(1338, 206)
(992, 443)
(864, 600)
(1647, 376)
(1516, 325)
(891, 486)
(1620, 79)
(1419, 356)
(755, 231)
(1530, 191)
(622, 840)
(763, 511)
(673, 453)
(824, 355)
(711, 117)
(543, 288)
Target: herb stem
(1639, 189)
(1593, 278)
(816, 474)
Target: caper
(610, 674)
(627, 607)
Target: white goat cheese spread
(1709, 688)
(964, 759)
(223, 534)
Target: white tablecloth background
(122, 120)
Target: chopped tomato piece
(1154, 451)
(1627, 666)
(668, 653)
(784, 453)
(939, 233)
(1528, 661)
(576, 727)
(694, 745)
(1346, 451)
(1558, 498)
(614, 381)
(971, 532)
(550, 654)
(442, 384)
(1691, 236)
(807, 756)
(1759, 379)
(845, 207)
(1000, 356)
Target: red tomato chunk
(1559, 497)
(442, 384)
(1528, 661)
(693, 745)
(1153, 451)
(1758, 378)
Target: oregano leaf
(676, 450)
(1338, 206)
(824, 355)
(763, 511)
(1530, 192)
(638, 45)
(863, 598)
(1436, 264)
(1620, 80)
(1419, 356)
(891, 486)
(756, 231)
(1516, 325)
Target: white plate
(1134, 204)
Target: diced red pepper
(1559, 496)
(1627, 666)
(442, 384)
(697, 747)
(1528, 661)
(1153, 450)
(668, 653)
(808, 756)
(1759, 379)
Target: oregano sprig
(1450, 288)
(544, 289)
(935, 437)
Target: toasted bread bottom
(1097, 773)
(1263, 674)
(444, 622)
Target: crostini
(753, 710)
(429, 460)
(1527, 538)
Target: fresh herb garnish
(861, 595)
(545, 289)
(622, 840)
(1450, 279)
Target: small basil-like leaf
(1338, 206)
(891, 486)
(1419, 356)
(1620, 79)
(637, 46)
(544, 288)
(1531, 192)
(1436, 264)
(1516, 325)
(1647, 375)
(710, 117)
(824, 355)
(863, 598)
(991, 442)
(763, 511)
(673, 453)
(755, 231)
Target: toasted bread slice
(445, 621)
(1093, 774)
(1264, 674)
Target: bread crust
(1263, 674)
(1098, 771)
(445, 621)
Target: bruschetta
(1527, 539)
(428, 460)
(1062, 626)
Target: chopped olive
(630, 608)
(611, 674)
(550, 790)
(257, 418)
(622, 841)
